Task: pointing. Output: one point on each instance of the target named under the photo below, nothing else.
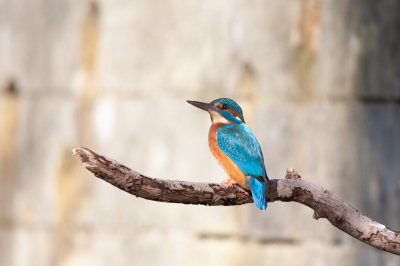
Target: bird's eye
(224, 107)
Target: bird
(235, 147)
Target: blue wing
(239, 144)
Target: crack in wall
(242, 238)
(264, 240)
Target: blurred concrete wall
(319, 82)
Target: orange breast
(223, 160)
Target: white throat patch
(217, 118)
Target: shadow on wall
(375, 118)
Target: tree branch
(324, 203)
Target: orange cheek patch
(233, 112)
(219, 105)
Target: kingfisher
(235, 148)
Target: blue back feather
(239, 144)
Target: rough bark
(324, 203)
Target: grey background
(319, 83)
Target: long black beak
(204, 106)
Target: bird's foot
(227, 182)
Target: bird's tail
(258, 191)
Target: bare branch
(324, 203)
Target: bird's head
(222, 110)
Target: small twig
(324, 203)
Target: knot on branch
(292, 174)
(317, 215)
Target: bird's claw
(227, 182)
